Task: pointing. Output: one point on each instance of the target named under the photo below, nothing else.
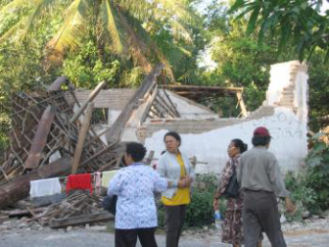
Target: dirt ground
(16, 233)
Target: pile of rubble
(50, 138)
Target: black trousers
(128, 238)
(260, 213)
(174, 221)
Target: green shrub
(317, 172)
(200, 211)
(303, 196)
(300, 192)
(310, 186)
(206, 182)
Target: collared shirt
(259, 170)
(135, 186)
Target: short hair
(173, 134)
(136, 150)
(238, 143)
(260, 140)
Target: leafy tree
(91, 40)
(299, 24)
(120, 27)
(318, 91)
(241, 60)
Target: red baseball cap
(261, 131)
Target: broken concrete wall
(284, 113)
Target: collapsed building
(65, 130)
(205, 133)
(284, 112)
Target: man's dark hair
(136, 150)
(173, 134)
(238, 143)
(260, 140)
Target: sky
(325, 5)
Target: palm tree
(124, 27)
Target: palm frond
(173, 12)
(137, 46)
(14, 32)
(179, 31)
(148, 46)
(177, 7)
(177, 15)
(109, 28)
(13, 17)
(40, 7)
(15, 5)
(140, 10)
(73, 28)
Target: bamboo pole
(82, 136)
(242, 105)
(92, 95)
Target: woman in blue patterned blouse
(135, 209)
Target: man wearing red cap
(260, 179)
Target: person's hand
(181, 182)
(215, 204)
(188, 181)
(290, 206)
(184, 182)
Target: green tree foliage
(318, 91)
(120, 27)
(90, 41)
(296, 23)
(241, 60)
(244, 61)
(86, 69)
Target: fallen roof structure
(54, 133)
(45, 124)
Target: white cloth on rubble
(106, 177)
(45, 187)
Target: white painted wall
(280, 78)
(287, 128)
(301, 96)
(289, 142)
